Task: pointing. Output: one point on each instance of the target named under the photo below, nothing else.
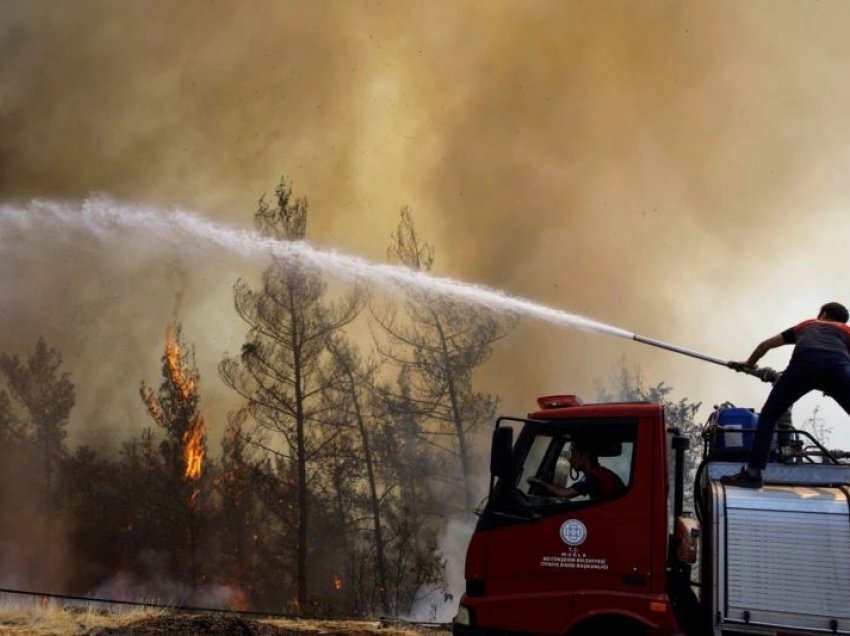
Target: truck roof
(607, 409)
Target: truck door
(586, 544)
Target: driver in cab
(597, 481)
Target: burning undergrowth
(150, 582)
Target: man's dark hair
(584, 445)
(835, 311)
(589, 445)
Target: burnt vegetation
(326, 493)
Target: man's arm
(558, 491)
(757, 354)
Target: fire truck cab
(574, 560)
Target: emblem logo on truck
(573, 532)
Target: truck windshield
(577, 465)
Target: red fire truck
(769, 561)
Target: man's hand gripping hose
(765, 374)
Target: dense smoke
(614, 160)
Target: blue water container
(734, 432)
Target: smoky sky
(674, 168)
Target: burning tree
(278, 370)
(175, 408)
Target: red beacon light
(558, 401)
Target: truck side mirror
(500, 452)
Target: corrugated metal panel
(787, 556)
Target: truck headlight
(464, 616)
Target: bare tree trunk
(193, 555)
(49, 513)
(301, 564)
(373, 496)
(301, 458)
(463, 448)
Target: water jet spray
(101, 217)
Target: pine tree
(278, 370)
(441, 342)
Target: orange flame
(193, 436)
(186, 386)
(337, 582)
(193, 449)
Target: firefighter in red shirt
(598, 482)
(821, 361)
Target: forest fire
(193, 435)
(175, 409)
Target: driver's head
(582, 455)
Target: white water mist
(104, 217)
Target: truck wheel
(609, 625)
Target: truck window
(534, 460)
(575, 466)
